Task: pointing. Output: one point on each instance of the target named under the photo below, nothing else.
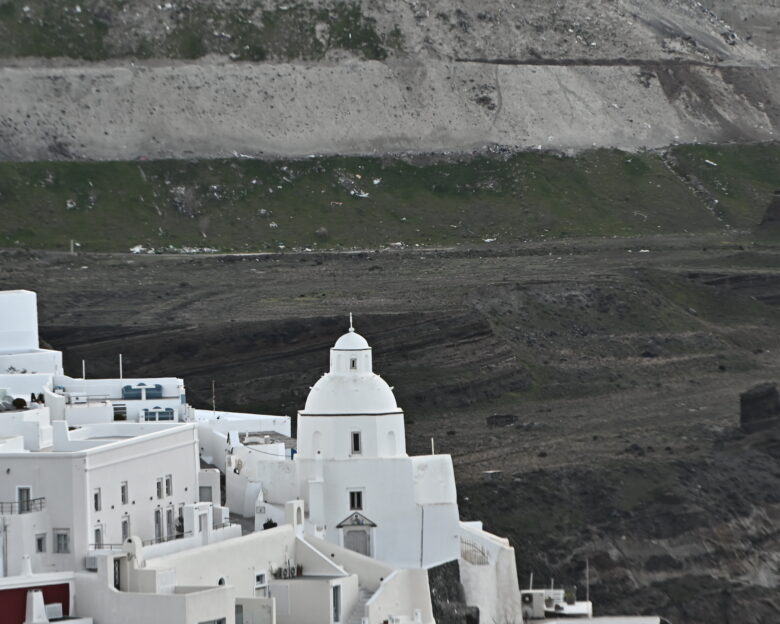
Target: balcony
(22, 507)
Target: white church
(360, 488)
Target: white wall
(22, 385)
(401, 594)
(331, 436)
(40, 361)
(492, 587)
(396, 592)
(68, 480)
(238, 560)
(98, 599)
(18, 321)
(33, 424)
(391, 488)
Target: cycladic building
(361, 488)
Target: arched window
(316, 442)
(352, 363)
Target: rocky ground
(616, 365)
(118, 81)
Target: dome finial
(351, 328)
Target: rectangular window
(158, 528)
(159, 488)
(204, 494)
(97, 501)
(124, 492)
(125, 528)
(98, 537)
(356, 500)
(337, 603)
(169, 485)
(353, 364)
(40, 543)
(355, 442)
(261, 585)
(24, 497)
(62, 541)
(169, 522)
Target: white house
(93, 487)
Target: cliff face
(204, 79)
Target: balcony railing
(22, 507)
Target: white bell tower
(351, 412)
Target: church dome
(351, 341)
(336, 394)
(351, 386)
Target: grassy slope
(234, 204)
(103, 29)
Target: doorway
(358, 539)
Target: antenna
(433, 448)
(531, 581)
(213, 397)
(587, 580)
(351, 328)
(120, 366)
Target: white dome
(350, 394)
(351, 341)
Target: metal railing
(104, 546)
(166, 538)
(22, 507)
(473, 552)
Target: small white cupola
(351, 354)
(351, 386)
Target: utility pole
(587, 580)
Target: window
(97, 501)
(169, 485)
(356, 499)
(355, 442)
(24, 497)
(40, 543)
(352, 363)
(159, 488)
(169, 522)
(158, 529)
(337, 603)
(125, 528)
(124, 492)
(62, 541)
(98, 537)
(204, 494)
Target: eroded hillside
(119, 81)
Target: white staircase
(356, 617)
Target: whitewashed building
(107, 516)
